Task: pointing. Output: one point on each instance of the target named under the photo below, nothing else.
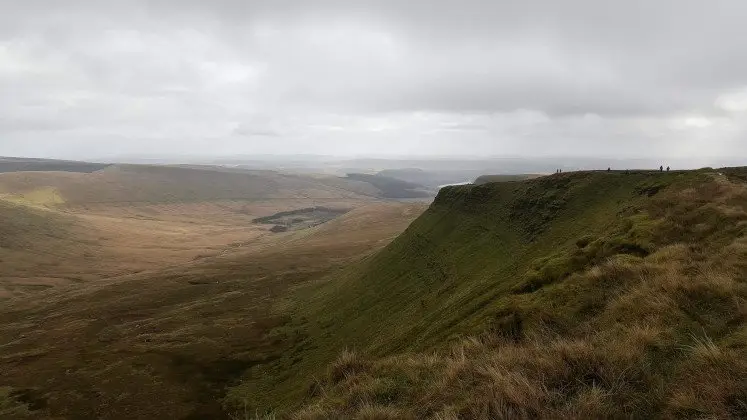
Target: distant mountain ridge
(392, 187)
(13, 164)
(84, 182)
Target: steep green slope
(588, 295)
(565, 263)
(476, 244)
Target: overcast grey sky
(82, 79)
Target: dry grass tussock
(669, 342)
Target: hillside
(13, 164)
(50, 245)
(578, 295)
(392, 187)
(128, 184)
(587, 295)
(167, 343)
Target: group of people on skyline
(609, 169)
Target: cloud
(385, 76)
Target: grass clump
(349, 363)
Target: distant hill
(392, 187)
(432, 178)
(165, 184)
(11, 164)
(436, 179)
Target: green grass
(540, 258)
(442, 276)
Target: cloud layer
(639, 78)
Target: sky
(639, 78)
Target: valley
(568, 295)
(67, 227)
(373, 210)
(142, 292)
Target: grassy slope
(21, 225)
(540, 261)
(166, 344)
(476, 243)
(36, 240)
(585, 280)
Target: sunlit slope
(40, 248)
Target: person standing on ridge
(661, 168)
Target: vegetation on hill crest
(484, 179)
(596, 295)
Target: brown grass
(104, 241)
(348, 364)
(128, 219)
(166, 343)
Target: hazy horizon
(483, 165)
(660, 79)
